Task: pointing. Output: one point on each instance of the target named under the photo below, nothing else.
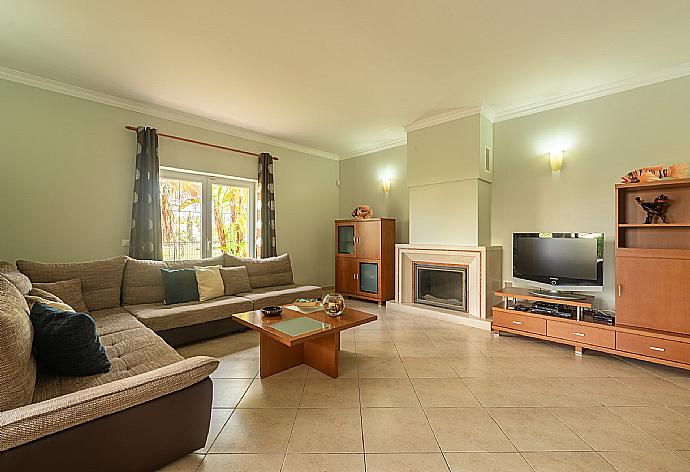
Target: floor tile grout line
(294, 420)
(438, 443)
(639, 428)
(361, 418)
(234, 409)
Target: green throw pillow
(180, 285)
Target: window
(205, 215)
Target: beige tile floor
(417, 394)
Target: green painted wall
(360, 183)
(602, 139)
(67, 176)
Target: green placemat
(299, 326)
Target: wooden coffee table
(280, 351)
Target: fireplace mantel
(483, 279)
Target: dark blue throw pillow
(66, 342)
(180, 285)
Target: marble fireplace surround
(483, 279)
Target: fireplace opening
(444, 286)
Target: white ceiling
(341, 76)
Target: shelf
(653, 253)
(523, 294)
(654, 184)
(654, 225)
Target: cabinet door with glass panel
(345, 239)
(368, 278)
(205, 216)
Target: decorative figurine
(658, 208)
(363, 212)
(650, 174)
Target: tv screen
(559, 259)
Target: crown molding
(375, 148)
(155, 110)
(441, 118)
(676, 72)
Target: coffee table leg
(322, 354)
(277, 357)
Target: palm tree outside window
(206, 215)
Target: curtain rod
(201, 143)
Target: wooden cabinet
(662, 347)
(364, 258)
(653, 260)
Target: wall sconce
(556, 160)
(386, 184)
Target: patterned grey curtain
(266, 209)
(145, 240)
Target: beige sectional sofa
(153, 406)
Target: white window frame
(207, 180)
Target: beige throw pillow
(41, 296)
(68, 291)
(210, 282)
(236, 280)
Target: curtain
(266, 209)
(145, 240)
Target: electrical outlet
(125, 243)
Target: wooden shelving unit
(652, 286)
(365, 258)
(653, 260)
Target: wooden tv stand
(638, 343)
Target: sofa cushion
(66, 342)
(280, 295)
(235, 280)
(267, 272)
(17, 364)
(160, 317)
(180, 286)
(69, 291)
(101, 280)
(19, 280)
(142, 282)
(131, 347)
(191, 263)
(210, 282)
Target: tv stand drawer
(653, 347)
(581, 334)
(520, 322)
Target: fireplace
(441, 285)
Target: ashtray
(271, 311)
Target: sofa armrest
(31, 422)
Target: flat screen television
(561, 262)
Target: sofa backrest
(142, 282)
(267, 272)
(190, 263)
(17, 363)
(101, 280)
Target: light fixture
(386, 183)
(556, 160)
